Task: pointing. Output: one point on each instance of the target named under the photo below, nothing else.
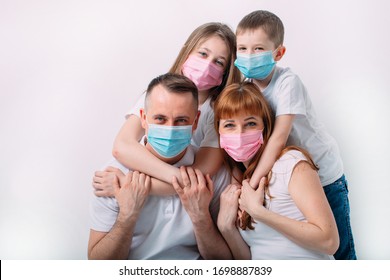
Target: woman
(287, 216)
(207, 59)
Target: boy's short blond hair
(269, 22)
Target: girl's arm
(275, 145)
(319, 232)
(208, 160)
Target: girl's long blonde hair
(246, 98)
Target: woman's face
(240, 124)
(215, 50)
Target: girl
(207, 59)
(287, 216)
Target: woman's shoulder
(287, 161)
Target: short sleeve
(103, 213)
(135, 110)
(210, 138)
(205, 135)
(290, 96)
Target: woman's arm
(275, 145)
(319, 232)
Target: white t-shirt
(286, 94)
(267, 243)
(205, 134)
(164, 229)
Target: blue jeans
(337, 194)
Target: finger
(96, 186)
(97, 179)
(128, 179)
(176, 186)
(210, 183)
(200, 178)
(261, 185)
(246, 184)
(135, 178)
(100, 173)
(111, 169)
(141, 179)
(101, 193)
(147, 182)
(192, 175)
(184, 176)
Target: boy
(259, 46)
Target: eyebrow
(159, 116)
(250, 118)
(246, 119)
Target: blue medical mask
(256, 66)
(169, 141)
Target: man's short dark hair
(173, 83)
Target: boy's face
(254, 41)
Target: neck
(262, 84)
(202, 96)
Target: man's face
(169, 109)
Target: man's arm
(195, 195)
(131, 198)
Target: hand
(195, 193)
(251, 201)
(105, 181)
(228, 211)
(132, 195)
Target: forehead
(215, 45)
(255, 36)
(163, 102)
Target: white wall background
(69, 70)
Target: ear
(280, 53)
(143, 118)
(195, 125)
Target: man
(134, 225)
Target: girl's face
(215, 50)
(240, 124)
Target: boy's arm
(275, 145)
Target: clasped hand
(195, 193)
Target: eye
(251, 124)
(228, 125)
(181, 121)
(202, 54)
(259, 49)
(159, 120)
(220, 62)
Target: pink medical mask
(202, 72)
(243, 146)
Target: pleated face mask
(202, 72)
(256, 66)
(169, 141)
(242, 146)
